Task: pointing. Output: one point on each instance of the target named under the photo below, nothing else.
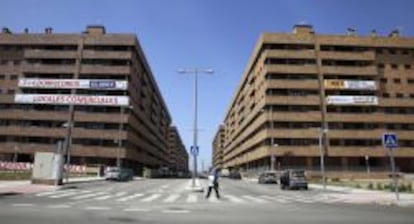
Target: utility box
(48, 168)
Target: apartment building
(178, 154)
(218, 145)
(302, 90)
(95, 89)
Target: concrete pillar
(344, 162)
(309, 163)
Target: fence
(20, 166)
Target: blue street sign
(194, 150)
(390, 140)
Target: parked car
(293, 179)
(235, 175)
(268, 177)
(119, 174)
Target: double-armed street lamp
(194, 151)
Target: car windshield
(299, 173)
(271, 175)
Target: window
(397, 80)
(391, 51)
(407, 67)
(380, 66)
(400, 95)
(386, 95)
(405, 52)
(10, 91)
(13, 77)
(379, 51)
(411, 95)
(383, 80)
(3, 62)
(410, 81)
(2, 77)
(394, 66)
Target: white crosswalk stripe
(234, 199)
(255, 199)
(151, 198)
(52, 192)
(130, 197)
(88, 195)
(119, 194)
(172, 198)
(68, 194)
(192, 198)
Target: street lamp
(322, 132)
(367, 164)
(195, 72)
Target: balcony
(49, 54)
(49, 69)
(105, 69)
(291, 69)
(292, 84)
(349, 70)
(297, 116)
(294, 133)
(355, 56)
(89, 54)
(298, 54)
(354, 117)
(396, 102)
(293, 100)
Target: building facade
(304, 93)
(218, 146)
(178, 153)
(100, 83)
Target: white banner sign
(350, 84)
(74, 84)
(352, 100)
(72, 99)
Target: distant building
(178, 158)
(356, 87)
(119, 110)
(218, 147)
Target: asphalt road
(168, 201)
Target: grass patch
(11, 175)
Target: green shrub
(370, 186)
(409, 187)
(380, 187)
(402, 188)
(358, 186)
(336, 179)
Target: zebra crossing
(179, 197)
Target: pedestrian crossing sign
(390, 140)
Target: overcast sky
(217, 34)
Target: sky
(204, 34)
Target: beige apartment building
(218, 145)
(118, 113)
(355, 87)
(178, 153)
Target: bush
(380, 187)
(336, 179)
(409, 187)
(358, 186)
(370, 186)
(402, 188)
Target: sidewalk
(363, 196)
(25, 186)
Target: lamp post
(322, 132)
(195, 72)
(367, 164)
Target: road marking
(176, 211)
(53, 192)
(171, 198)
(59, 206)
(131, 197)
(137, 210)
(192, 198)
(151, 198)
(258, 200)
(213, 199)
(88, 195)
(97, 208)
(277, 199)
(22, 205)
(234, 199)
(69, 194)
(110, 196)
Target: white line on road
(131, 197)
(53, 192)
(88, 195)
(176, 211)
(67, 194)
(171, 198)
(22, 205)
(192, 198)
(234, 199)
(110, 196)
(137, 210)
(151, 198)
(97, 208)
(258, 200)
(59, 206)
(277, 199)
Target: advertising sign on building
(72, 99)
(74, 84)
(349, 84)
(352, 100)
